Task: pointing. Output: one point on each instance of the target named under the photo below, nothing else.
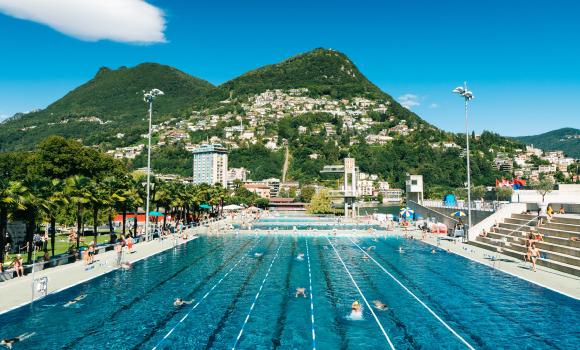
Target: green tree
(543, 186)
(12, 197)
(78, 192)
(306, 193)
(320, 203)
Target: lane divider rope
(204, 297)
(311, 297)
(256, 299)
(362, 296)
(416, 298)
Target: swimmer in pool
(8, 342)
(181, 302)
(257, 255)
(300, 256)
(401, 249)
(365, 257)
(371, 248)
(379, 305)
(126, 265)
(75, 300)
(433, 251)
(300, 291)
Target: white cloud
(409, 101)
(434, 105)
(132, 21)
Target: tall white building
(210, 165)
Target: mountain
(106, 105)
(324, 72)
(565, 139)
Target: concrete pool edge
(553, 280)
(23, 286)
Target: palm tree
(78, 193)
(56, 199)
(12, 197)
(34, 203)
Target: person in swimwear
(370, 248)
(379, 305)
(300, 291)
(257, 255)
(8, 342)
(300, 256)
(181, 302)
(356, 307)
(75, 300)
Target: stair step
(546, 254)
(561, 241)
(559, 266)
(545, 245)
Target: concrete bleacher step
(546, 253)
(555, 219)
(561, 226)
(549, 263)
(550, 239)
(542, 229)
(547, 244)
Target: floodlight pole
(148, 171)
(148, 97)
(468, 165)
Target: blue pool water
(133, 309)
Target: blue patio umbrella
(205, 206)
(155, 213)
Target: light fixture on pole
(467, 96)
(148, 97)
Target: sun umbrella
(155, 213)
(205, 206)
(253, 208)
(232, 207)
(458, 214)
(406, 212)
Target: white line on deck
(256, 298)
(416, 298)
(311, 297)
(204, 297)
(362, 296)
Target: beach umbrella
(155, 213)
(253, 208)
(205, 206)
(406, 212)
(232, 207)
(458, 214)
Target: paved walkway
(548, 278)
(18, 291)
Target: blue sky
(520, 58)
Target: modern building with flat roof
(210, 165)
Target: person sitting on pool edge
(300, 291)
(181, 302)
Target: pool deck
(557, 281)
(18, 291)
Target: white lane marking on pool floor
(204, 297)
(414, 296)
(256, 298)
(362, 296)
(311, 297)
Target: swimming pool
(243, 301)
